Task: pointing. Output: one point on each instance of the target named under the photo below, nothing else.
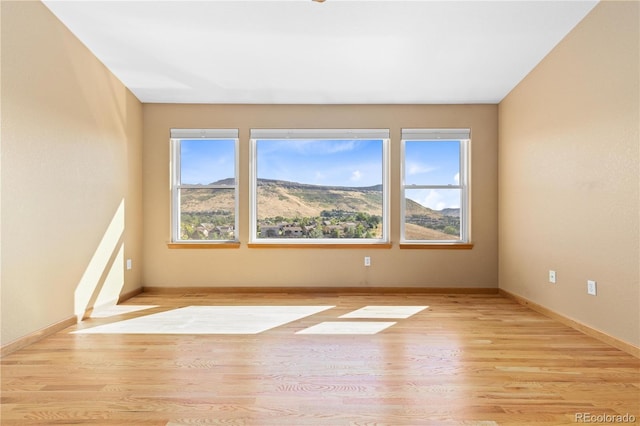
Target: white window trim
(211, 134)
(318, 134)
(440, 135)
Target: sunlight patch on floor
(347, 327)
(385, 312)
(209, 320)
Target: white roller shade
(426, 134)
(319, 133)
(204, 133)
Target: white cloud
(417, 168)
(314, 147)
(456, 178)
(356, 176)
(341, 146)
(438, 200)
(434, 200)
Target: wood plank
(627, 347)
(198, 291)
(474, 359)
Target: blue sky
(203, 162)
(330, 162)
(433, 163)
(321, 162)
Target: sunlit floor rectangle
(347, 327)
(385, 312)
(209, 320)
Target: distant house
(204, 231)
(332, 229)
(225, 230)
(293, 231)
(270, 231)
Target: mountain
(423, 223)
(291, 199)
(311, 187)
(285, 199)
(450, 212)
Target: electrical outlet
(367, 261)
(591, 287)
(128, 264)
(552, 277)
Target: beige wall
(71, 175)
(165, 267)
(569, 176)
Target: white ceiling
(336, 52)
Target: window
(435, 189)
(204, 191)
(319, 186)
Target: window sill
(437, 246)
(320, 246)
(195, 245)
(235, 245)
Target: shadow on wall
(103, 280)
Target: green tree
(452, 230)
(316, 233)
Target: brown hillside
(290, 200)
(206, 200)
(284, 199)
(412, 208)
(276, 201)
(280, 199)
(417, 232)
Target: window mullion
(175, 190)
(414, 186)
(465, 221)
(206, 186)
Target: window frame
(176, 137)
(463, 137)
(318, 134)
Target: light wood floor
(466, 359)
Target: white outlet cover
(591, 287)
